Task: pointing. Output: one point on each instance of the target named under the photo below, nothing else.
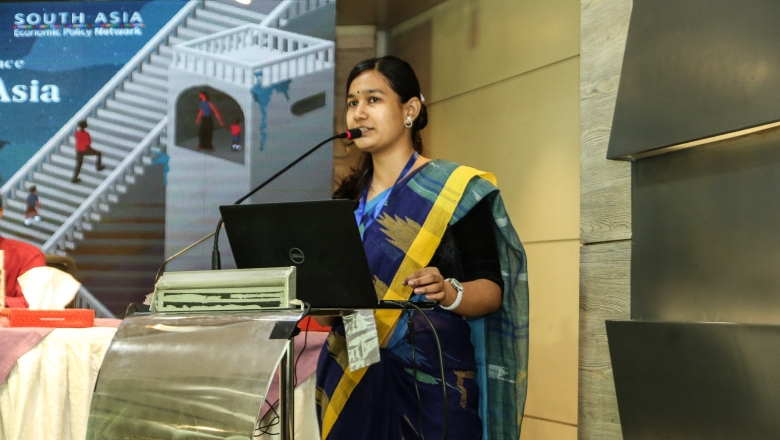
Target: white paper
(47, 288)
(362, 339)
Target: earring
(408, 122)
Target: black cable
(274, 421)
(410, 325)
(441, 369)
(305, 338)
(306, 310)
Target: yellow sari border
(419, 254)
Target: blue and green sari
(485, 359)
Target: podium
(200, 364)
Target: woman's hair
(205, 95)
(403, 81)
(82, 124)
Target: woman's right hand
(428, 281)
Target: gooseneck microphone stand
(216, 263)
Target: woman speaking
(431, 230)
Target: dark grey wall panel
(695, 69)
(706, 233)
(696, 381)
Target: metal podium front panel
(187, 377)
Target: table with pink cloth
(47, 377)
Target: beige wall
(501, 81)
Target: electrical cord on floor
(410, 325)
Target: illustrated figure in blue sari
(431, 230)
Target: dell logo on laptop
(296, 255)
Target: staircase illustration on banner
(128, 123)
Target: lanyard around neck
(366, 217)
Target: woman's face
(373, 106)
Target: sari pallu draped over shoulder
(402, 240)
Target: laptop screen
(320, 238)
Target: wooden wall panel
(605, 293)
(605, 215)
(605, 203)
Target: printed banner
(124, 125)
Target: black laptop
(320, 238)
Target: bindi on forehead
(366, 92)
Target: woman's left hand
(428, 281)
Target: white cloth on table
(48, 393)
(305, 414)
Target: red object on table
(311, 325)
(71, 318)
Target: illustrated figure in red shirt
(235, 132)
(84, 148)
(18, 258)
(206, 123)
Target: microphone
(354, 133)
